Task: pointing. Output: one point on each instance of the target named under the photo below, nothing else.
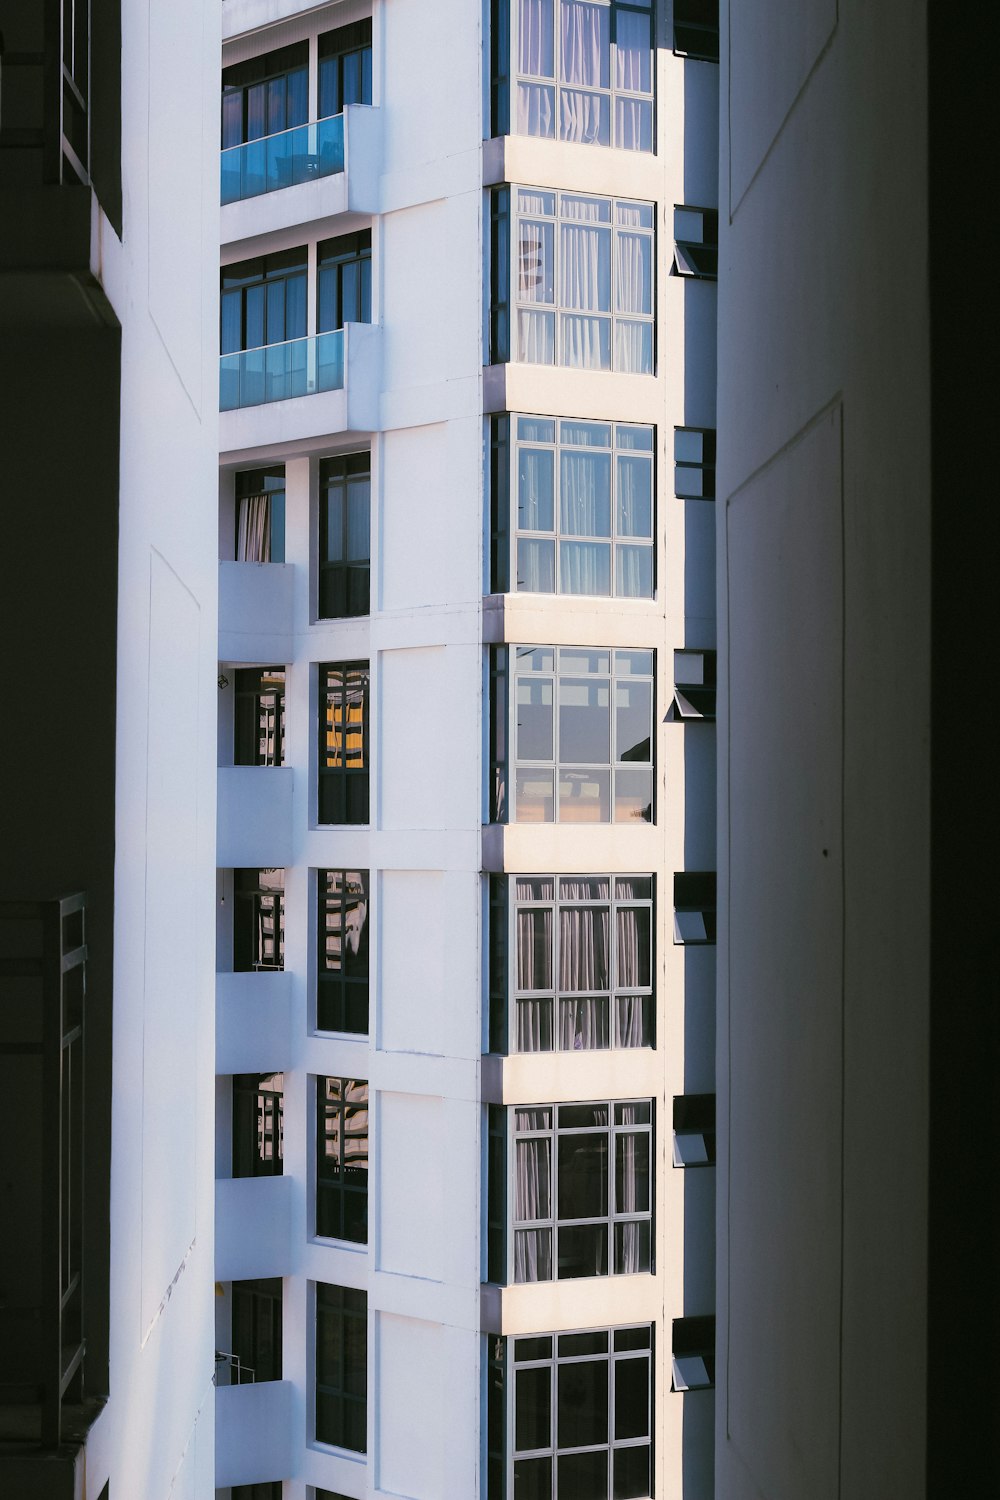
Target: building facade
(466, 848)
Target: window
(696, 29)
(696, 243)
(344, 285)
(260, 717)
(342, 1159)
(265, 95)
(258, 920)
(582, 961)
(581, 1189)
(694, 1130)
(343, 742)
(341, 1367)
(258, 1124)
(584, 70)
(583, 279)
(344, 535)
(268, 1490)
(580, 1427)
(693, 1350)
(694, 463)
(264, 301)
(342, 951)
(582, 728)
(345, 67)
(694, 906)
(257, 1330)
(579, 496)
(260, 515)
(694, 687)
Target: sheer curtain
(630, 1194)
(534, 38)
(585, 284)
(633, 294)
(253, 538)
(532, 1201)
(584, 935)
(633, 72)
(533, 971)
(535, 283)
(585, 50)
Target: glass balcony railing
(282, 160)
(277, 372)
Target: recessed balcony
(255, 611)
(305, 175)
(281, 372)
(254, 820)
(253, 1227)
(253, 1022)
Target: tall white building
(466, 684)
(109, 217)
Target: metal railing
(282, 160)
(44, 953)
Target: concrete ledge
(253, 1433)
(254, 819)
(253, 1026)
(253, 1229)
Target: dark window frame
(696, 257)
(288, 66)
(343, 789)
(257, 1344)
(696, 30)
(342, 994)
(258, 1118)
(344, 281)
(336, 1405)
(343, 584)
(254, 905)
(342, 1116)
(241, 280)
(259, 716)
(337, 49)
(703, 466)
(256, 484)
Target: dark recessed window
(694, 687)
(265, 95)
(582, 971)
(694, 1130)
(344, 281)
(345, 68)
(693, 1350)
(270, 1490)
(696, 29)
(258, 920)
(264, 301)
(342, 1367)
(581, 720)
(694, 906)
(344, 536)
(580, 1427)
(342, 1159)
(258, 1126)
(260, 515)
(694, 463)
(342, 951)
(581, 1190)
(577, 503)
(696, 243)
(256, 1330)
(259, 738)
(343, 742)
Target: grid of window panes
(583, 734)
(344, 535)
(342, 1159)
(581, 507)
(584, 71)
(259, 738)
(345, 67)
(582, 971)
(342, 951)
(581, 1416)
(583, 278)
(258, 920)
(258, 1124)
(265, 95)
(581, 1190)
(342, 1367)
(343, 742)
(260, 515)
(256, 1331)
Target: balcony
(255, 611)
(305, 389)
(253, 1022)
(253, 1227)
(254, 818)
(305, 175)
(283, 160)
(253, 1433)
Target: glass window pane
(535, 261)
(584, 948)
(358, 518)
(583, 1475)
(583, 1176)
(582, 1116)
(584, 721)
(534, 659)
(535, 489)
(633, 663)
(585, 568)
(585, 278)
(584, 343)
(536, 110)
(533, 796)
(533, 1479)
(633, 53)
(633, 720)
(585, 795)
(634, 572)
(585, 43)
(585, 494)
(533, 1179)
(632, 947)
(582, 1405)
(583, 1024)
(534, 719)
(631, 1473)
(576, 659)
(535, 34)
(639, 439)
(534, 1025)
(334, 551)
(632, 1248)
(536, 566)
(632, 1173)
(532, 1409)
(573, 1345)
(536, 430)
(532, 1348)
(635, 496)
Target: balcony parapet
(255, 611)
(253, 1433)
(254, 826)
(253, 1026)
(253, 1217)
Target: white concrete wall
(823, 518)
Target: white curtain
(631, 1021)
(633, 271)
(584, 568)
(535, 500)
(534, 949)
(628, 1194)
(534, 38)
(534, 1025)
(633, 963)
(584, 117)
(584, 933)
(634, 491)
(253, 537)
(633, 124)
(535, 566)
(585, 286)
(633, 53)
(583, 1023)
(536, 110)
(584, 493)
(585, 43)
(633, 347)
(535, 284)
(532, 1201)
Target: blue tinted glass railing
(282, 160)
(277, 372)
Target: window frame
(269, 1104)
(503, 988)
(553, 1223)
(616, 318)
(343, 775)
(262, 1301)
(351, 40)
(340, 981)
(342, 1304)
(504, 792)
(250, 904)
(506, 446)
(610, 93)
(333, 257)
(250, 484)
(257, 721)
(704, 466)
(335, 1187)
(328, 572)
